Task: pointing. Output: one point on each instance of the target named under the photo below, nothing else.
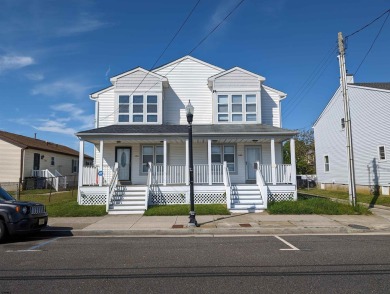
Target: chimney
(350, 78)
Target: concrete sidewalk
(245, 224)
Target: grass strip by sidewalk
(64, 204)
(360, 197)
(315, 206)
(184, 209)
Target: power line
(372, 45)
(157, 60)
(367, 25)
(193, 49)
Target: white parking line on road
(35, 247)
(292, 247)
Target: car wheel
(3, 232)
(311, 185)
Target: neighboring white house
(22, 157)
(369, 108)
(141, 139)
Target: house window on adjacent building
(326, 163)
(75, 165)
(153, 154)
(343, 123)
(138, 108)
(52, 161)
(382, 153)
(221, 153)
(237, 108)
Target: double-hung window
(52, 161)
(221, 153)
(326, 163)
(75, 165)
(382, 153)
(237, 108)
(153, 154)
(138, 109)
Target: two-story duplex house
(142, 148)
(369, 108)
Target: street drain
(358, 227)
(245, 225)
(177, 226)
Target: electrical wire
(191, 51)
(372, 45)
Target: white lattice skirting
(182, 198)
(281, 196)
(93, 199)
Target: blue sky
(54, 53)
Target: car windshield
(4, 195)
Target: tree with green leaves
(304, 152)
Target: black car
(17, 217)
(305, 182)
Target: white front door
(253, 154)
(123, 156)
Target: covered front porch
(158, 167)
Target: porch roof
(215, 131)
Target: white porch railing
(283, 173)
(90, 176)
(50, 178)
(176, 174)
(262, 185)
(113, 183)
(227, 184)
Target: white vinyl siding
(370, 129)
(188, 81)
(139, 80)
(270, 107)
(9, 162)
(106, 109)
(236, 80)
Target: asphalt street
(271, 264)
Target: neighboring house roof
(198, 130)
(383, 86)
(32, 143)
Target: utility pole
(347, 119)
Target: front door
(123, 157)
(37, 159)
(253, 154)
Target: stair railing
(112, 186)
(148, 184)
(261, 184)
(227, 184)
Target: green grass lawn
(361, 197)
(64, 204)
(315, 206)
(183, 209)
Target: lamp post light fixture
(190, 115)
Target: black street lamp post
(190, 115)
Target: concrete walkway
(236, 224)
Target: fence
(40, 185)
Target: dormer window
(237, 108)
(138, 109)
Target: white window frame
(154, 156)
(145, 104)
(244, 106)
(222, 155)
(379, 152)
(326, 164)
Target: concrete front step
(248, 201)
(233, 210)
(135, 197)
(125, 211)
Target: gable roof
(260, 78)
(96, 94)
(382, 86)
(190, 58)
(114, 78)
(32, 143)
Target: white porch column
(101, 163)
(165, 163)
(293, 163)
(273, 161)
(81, 168)
(209, 161)
(187, 163)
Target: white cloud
(35, 76)
(84, 25)
(55, 127)
(10, 62)
(75, 114)
(59, 88)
